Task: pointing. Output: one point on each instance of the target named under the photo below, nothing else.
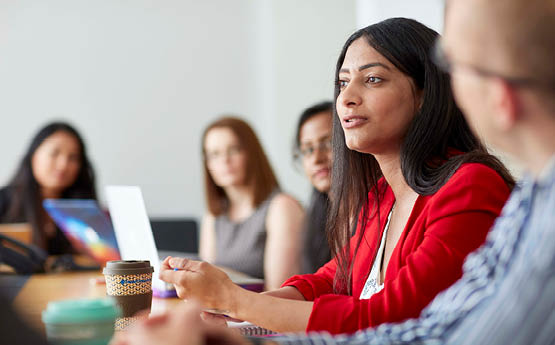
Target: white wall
(428, 12)
(141, 79)
(307, 37)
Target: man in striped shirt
(501, 56)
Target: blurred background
(140, 79)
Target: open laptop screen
(87, 227)
(132, 227)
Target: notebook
(86, 226)
(249, 329)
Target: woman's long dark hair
(316, 249)
(26, 198)
(437, 128)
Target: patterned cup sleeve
(127, 285)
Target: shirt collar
(547, 174)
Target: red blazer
(441, 230)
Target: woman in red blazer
(440, 231)
(421, 188)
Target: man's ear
(505, 102)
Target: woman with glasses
(407, 169)
(250, 226)
(312, 150)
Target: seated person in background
(313, 150)
(250, 226)
(55, 166)
(405, 162)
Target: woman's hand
(214, 290)
(201, 281)
(181, 326)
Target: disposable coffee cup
(80, 322)
(129, 284)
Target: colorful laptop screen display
(87, 227)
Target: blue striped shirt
(506, 294)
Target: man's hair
(523, 32)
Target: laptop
(128, 236)
(133, 232)
(136, 242)
(86, 226)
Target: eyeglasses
(230, 152)
(309, 150)
(446, 64)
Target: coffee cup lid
(80, 310)
(123, 267)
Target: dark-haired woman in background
(405, 164)
(313, 151)
(55, 166)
